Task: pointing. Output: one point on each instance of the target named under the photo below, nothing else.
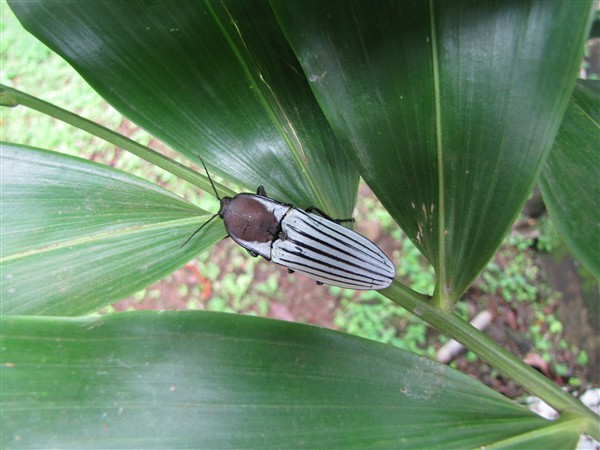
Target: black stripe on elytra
(379, 259)
(323, 224)
(310, 268)
(368, 260)
(332, 266)
(337, 281)
(305, 268)
(334, 258)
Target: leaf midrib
(102, 236)
(441, 210)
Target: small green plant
(548, 239)
(517, 278)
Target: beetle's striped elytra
(330, 253)
(315, 245)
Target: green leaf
(570, 182)
(77, 235)
(209, 380)
(214, 78)
(448, 109)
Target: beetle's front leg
(261, 191)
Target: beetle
(315, 245)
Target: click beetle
(302, 241)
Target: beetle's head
(224, 205)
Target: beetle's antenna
(216, 195)
(209, 178)
(198, 230)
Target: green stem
(14, 97)
(491, 352)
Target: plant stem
(492, 353)
(14, 97)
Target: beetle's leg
(261, 191)
(290, 270)
(251, 253)
(314, 208)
